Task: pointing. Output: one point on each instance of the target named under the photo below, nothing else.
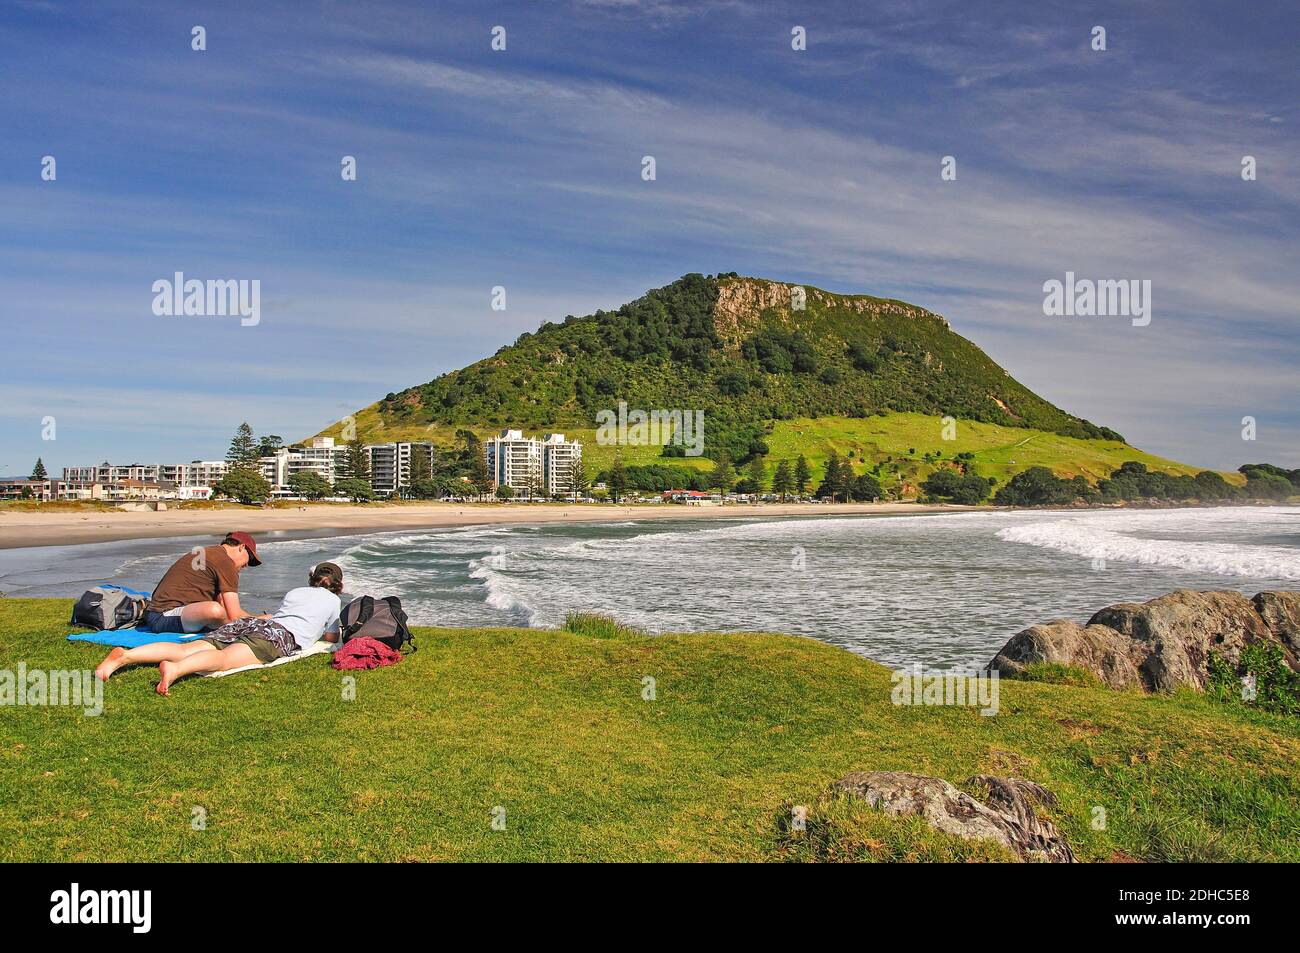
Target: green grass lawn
(552, 727)
(999, 451)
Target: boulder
(1281, 613)
(1007, 818)
(1095, 648)
(1180, 630)
(1161, 644)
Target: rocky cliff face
(1162, 644)
(741, 302)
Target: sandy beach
(29, 528)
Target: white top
(308, 612)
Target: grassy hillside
(552, 727)
(858, 374)
(999, 451)
(739, 350)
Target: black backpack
(109, 607)
(379, 619)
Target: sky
(522, 168)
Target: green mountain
(736, 348)
(867, 378)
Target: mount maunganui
(737, 348)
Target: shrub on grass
(1277, 687)
(597, 625)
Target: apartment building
(198, 473)
(526, 464)
(202, 473)
(320, 456)
(111, 473)
(390, 467)
(558, 459)
(514, 460)
(390, 464)
(38, 490)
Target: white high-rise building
(319, 457)
(514, 460)
(558, 458)
(390, 464)
(526, 464)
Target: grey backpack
(109, 607)
(381, 619)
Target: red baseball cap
(249, 544)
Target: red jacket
(365, 652)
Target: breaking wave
(1084, 537)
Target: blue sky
(522, 169)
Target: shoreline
(70, 528)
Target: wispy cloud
(523, 169)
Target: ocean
(944, 590)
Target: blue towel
(132, 638)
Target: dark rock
(1281, 613)
(1008, 818)
(1113, 658)
(1162, 644)
(1180, 630)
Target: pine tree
(617, 479)
(579, 484)
(757, 473)
(479, 475)
(783, 480)
(38, 471)
(419, 478)
(722, 476)
(358, 464)
(832, 479)
(802, 474)
(243, 448)
(420, 469)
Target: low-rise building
(68, 490)
(40, 491)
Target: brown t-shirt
(184, 583)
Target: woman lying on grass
(305, 615)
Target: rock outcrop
(1006, 815)
(1162, 644)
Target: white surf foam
(1084, 537)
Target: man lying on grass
(305, 615)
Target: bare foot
(165, 679)
(112, 661)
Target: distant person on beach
(201, 589)
(306, 615)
